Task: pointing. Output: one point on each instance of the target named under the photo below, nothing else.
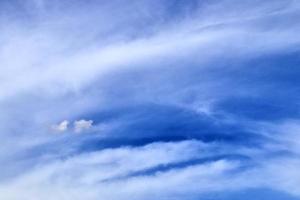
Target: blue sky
(149, 99)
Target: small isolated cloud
(81, 125)
(61, 127)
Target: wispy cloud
(183, 99)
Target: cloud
(183, 99)
(64, 178)
(61, 127)
(81, 125)
(98, 58)
(143, 170)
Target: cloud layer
(177, 99)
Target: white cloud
(61, 127)
(91, 175)
(58, 60)
(46, 50)
(82, 125)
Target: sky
(149, 99)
